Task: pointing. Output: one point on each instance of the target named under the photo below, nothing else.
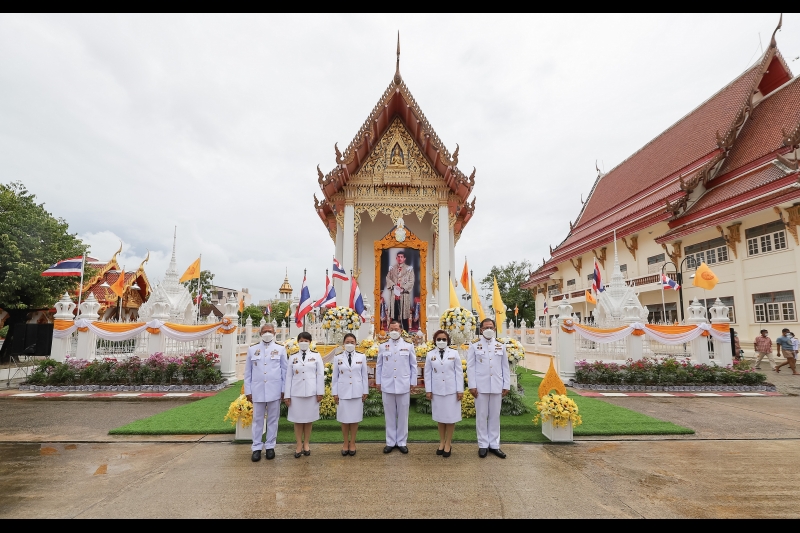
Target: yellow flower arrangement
(559, 408)
(423, 349)
(292, 347)
(242, 410)
(341, 319)
(514, 350)
(467, 405)
(369, 348)
(327, 407)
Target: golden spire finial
(772, 42)
(397, 77)
(114, 257)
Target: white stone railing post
(565, 347)
(86, 339)
(248, 334)
(634, 344)
(64, 308)
(722, 350)
(697, 315)
(293, 329)
(433, 318)
(229, 345)
(157, 342)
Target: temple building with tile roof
(719, 186)
(104, 274)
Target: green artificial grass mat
(599, 418)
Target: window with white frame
(552, 290)
(570, 283)
(766, 238)
(776, 306)
(590, 278)
(654, 263)
(708, 252)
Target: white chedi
(180, 308)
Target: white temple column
(337, 283)
(230, 345)
(444, 258)
(697, 315)
(87, 340)
(64, 308)
(348, 249)
(565, 349)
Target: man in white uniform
(395, 372)
(489, 379)
(264, 378)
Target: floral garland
(328, 373)
(369, 348)
(240, 410)
(559, 408)
(341, 319)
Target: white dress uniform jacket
(396, 368)
(265, 371)
(443, 375)
(487, 367)
(349, 381)
(306, 378)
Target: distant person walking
(763, 345)
(737, 347)
(785, 347)
(790, 355)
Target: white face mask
(488, 333)
(267, 337)
(441, 344)
(303, 345)
(394, 335)
(350, 347)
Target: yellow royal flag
(590, 297)
(193, 272)
(119, 286)
(241, 305)
(704, 278)
(499, 307)
(288, 312)
(453, 295)
(476, 301)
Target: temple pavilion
(103, 274)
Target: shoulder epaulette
(256, 344)
(280, 343)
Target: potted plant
(558, 414)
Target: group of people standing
(272, 376)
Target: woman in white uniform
(349, 386)
(305, 385)
(444, 386)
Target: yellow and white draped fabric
(662, 334)
(125, 331)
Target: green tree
(206, 282)
(279, 312)
(252, 311)
(509, 278)
(31, 239)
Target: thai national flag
(338, 271)
(597, 282)
(545, 306)
(357, 302)
(668, 283)
(269, 308)
(305, 305)
(329, 300)
(67, 267)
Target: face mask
(267, 337)
(488, 333)
(441, 344)
(394, 335)
(304, 345)
(349, 347)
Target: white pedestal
(247, 433)
(556, 434)
(513, 379)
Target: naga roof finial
(397, 77)
(773, 43)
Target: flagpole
(471, 281)
(123, 293)
(301, 298)
(80, 287)
(663, 305)
(199, 287)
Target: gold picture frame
(413, 242)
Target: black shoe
(344, 452)
(439, 452)
(388, 449)
(403, 449)
(498, 452)
(297, 455)
(270, 454)
(256, 456)
(447, 454)
(306, 452)
(482, 452)
(352, 452)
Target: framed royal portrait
(400, 281)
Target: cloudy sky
(127, 126)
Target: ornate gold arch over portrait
(406, 240)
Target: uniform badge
(295, 360)
(451, 358)
(258, 352)
(358, 362)
(296, 371)
(274, 352)
(434, 369)
(255, 363)
(340, 361)
(433, 358)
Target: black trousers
(398, 314)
